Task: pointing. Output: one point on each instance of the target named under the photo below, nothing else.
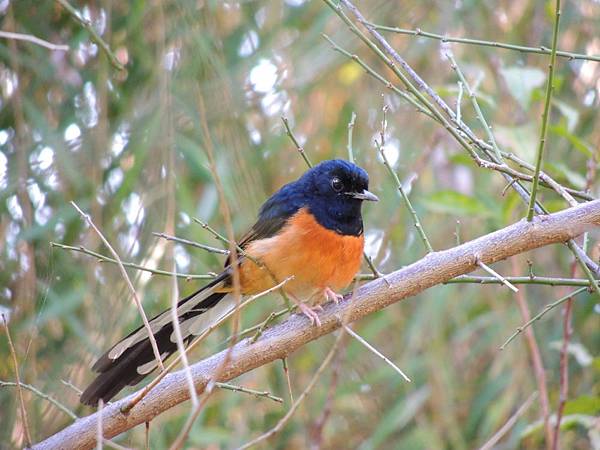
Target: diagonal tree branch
(281, 340)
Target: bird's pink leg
(330, 294)
(310, 313)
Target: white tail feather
(163, 319)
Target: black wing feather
(115, 374)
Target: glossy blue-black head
(334, 191)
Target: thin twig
(544, 178)
(495, 274)
(72, 387)
(317, 427)
(254, 328)
(179, 341)
(104, 258)
(136, 299)
(536, 358)
(414, 89)
(564, 366)
(509, 423)
(520, 48)
(474, 102)
(459, 102)
(216, 234)
(13, 354)
(547, 281)
(350, 131)
(381, 147)
(87, 25)
(539, 315)
(233, 387)
(262, 327)
(40, 394)
(376, 352)
(579, 254)
(33, 40)
(504, 169)
(568, 331)
(368, 69)
(183, 241)
(298, 401)
(375, 272)
(457, 232)
(545, 115)
(295, 141)
(286, 371)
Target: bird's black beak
(364, 195)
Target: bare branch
(40, 394)
(245, 390)
(356, 336)
(25, 424)
(33, 40)
(301, 397)
(495, 274)
(102, 258)
(509, 423)
(179, 339)
(87, 25)
(283, 339)
(136, 299)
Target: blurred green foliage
(127, 147)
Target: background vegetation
(128, 147)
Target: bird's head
(335, 190)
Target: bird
(310, 231)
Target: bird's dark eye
(337, 184)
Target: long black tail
(130, 360)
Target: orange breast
(317, 257)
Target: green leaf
(457, 204)
(521, 81)
(583, 405)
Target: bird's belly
(315, 256)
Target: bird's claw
(310, 313)
(332, 295)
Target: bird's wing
(273, 216)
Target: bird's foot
(330, 294)
(311, 313)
